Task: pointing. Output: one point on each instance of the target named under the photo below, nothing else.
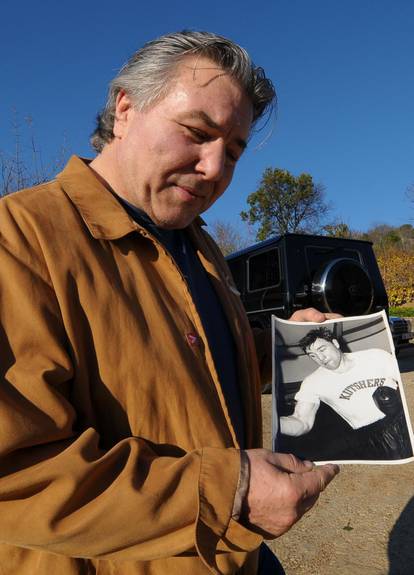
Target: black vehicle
(295, 271)
(401, 330)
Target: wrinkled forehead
(200, 68)
(200, 86)
(200, 72)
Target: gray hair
(147, 75)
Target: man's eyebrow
(201, 115)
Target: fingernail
(308, 464)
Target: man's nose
(212, 161)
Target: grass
(402, 311)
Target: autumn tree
(394, 249)
(338, 230)
(228, 237)
(286, 203)
(384, 236)
(397, 271)
(406, 232)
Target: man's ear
(123, 109)
(336, 344)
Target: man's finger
(326, 473)
(333, 315)
(313, 315)
(317, 480)
(308, 314)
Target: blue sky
(343, 71)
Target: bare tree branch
(23, 165)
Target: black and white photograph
(337, 392)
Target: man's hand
(312, 314)
(281, 489)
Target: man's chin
(331, 367)
(171, 222)
(173, 216)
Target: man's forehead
(200, 90)
(201, 72)
(318, 343)
(200, 68)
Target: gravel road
(363, 523)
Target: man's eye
(232, 156)
(198, 135)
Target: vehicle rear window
(263, 270)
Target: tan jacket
(117, 454)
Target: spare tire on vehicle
(343, 286)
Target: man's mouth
(189, 192)
(192, 192)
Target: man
(362, 388)
(130, 401)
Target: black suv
(401, 330)
(295, 271)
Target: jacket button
(193, 338)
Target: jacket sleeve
(59, 491)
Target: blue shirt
(215, 323)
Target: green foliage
(402, 311)
(285, 203)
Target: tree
(406, 231)
(384, 236)
(397, 271)
(338, 230)
(227, 237)
(285, 203)
(23, 165)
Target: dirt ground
(363, 523)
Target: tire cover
(343, 286)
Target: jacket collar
(99, 208)
(97, 205)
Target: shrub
(397, 270)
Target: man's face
(176, 158)
(325, 353)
